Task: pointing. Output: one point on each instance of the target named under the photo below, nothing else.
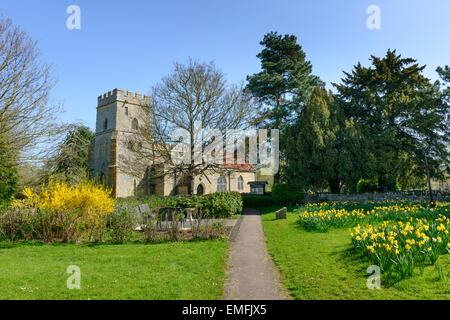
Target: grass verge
(183, 270)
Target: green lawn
(324, 266)
(184, 270)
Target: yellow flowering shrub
(92, 203)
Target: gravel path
(252, 275)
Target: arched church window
(221, 184)
(135, 124)
(240, 183)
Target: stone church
(118, 116)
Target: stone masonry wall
(377, 197)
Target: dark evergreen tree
(71, 157)
(399, 112)
(306, 142)
(8, 171)
(323, 148)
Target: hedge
(286, 195)
(256, 201)
(216, 205)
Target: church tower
(119, 114)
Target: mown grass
(317, 265)
(183, 270)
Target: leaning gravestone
(144, 208)
(282, 213)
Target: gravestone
(282, 213)
(144, 208)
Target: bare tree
(191, 94)
(26, 117)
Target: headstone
(282, 213)
(144, 208)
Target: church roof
(235, 163)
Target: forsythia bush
(92, 203)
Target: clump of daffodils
(401, 246)
(397, 236)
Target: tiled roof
(231, 163)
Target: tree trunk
(386, 183)
(191, 186)
(334, 185)
(429, 181)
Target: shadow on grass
(357, 264)
(6, 244)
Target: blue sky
(133, 44)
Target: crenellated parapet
(122, 96)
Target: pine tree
(285, 82)
(444, 74)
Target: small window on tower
(126, 111)
(135, 124)
(105, 124)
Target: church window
(240, 183)
(221, 184)
(135, 124)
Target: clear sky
(133, 44)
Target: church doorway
(200, 190)
(102, 179)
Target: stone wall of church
(210, 184)
(119, 114)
